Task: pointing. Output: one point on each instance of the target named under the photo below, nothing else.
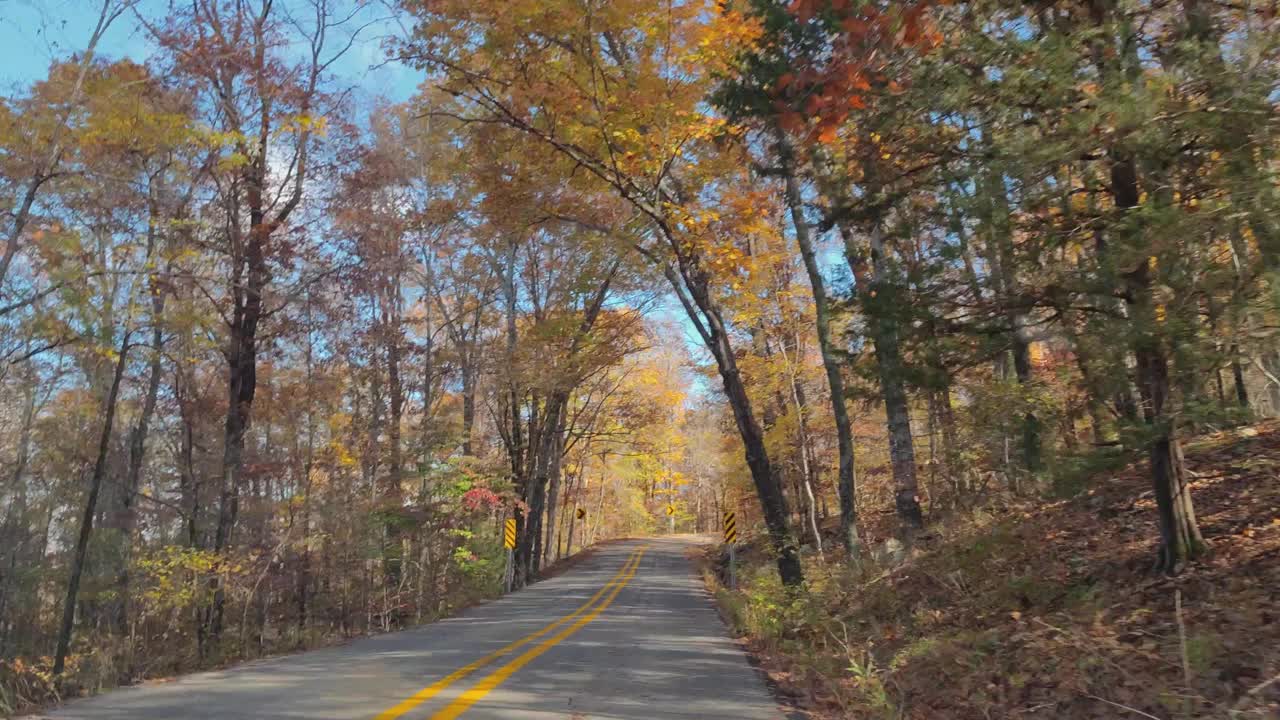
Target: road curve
(627, 634)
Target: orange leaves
(723, 40)
(844, 79)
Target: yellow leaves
(218, 139)
(317, 124)
(234, 161)
(342, 455)
(174, 576)
(722, 41)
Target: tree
(627, 112)
(256, 99)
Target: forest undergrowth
(1034, 607)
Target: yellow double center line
(575, 620)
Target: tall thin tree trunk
(847, 479)
(127, 515)
(392, 500)
(764, 474)
(878, 301)
(468, 406)
(1237, 376)
(553, 488)
(242, 362)
(304, 562)
(571, 516)
(996, 216)
(90, 509)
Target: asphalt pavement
(627, 634)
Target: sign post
(509, 541)
(730, 524)
(671, 518)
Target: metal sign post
(733, 580)
(730, 525)
(509, 541)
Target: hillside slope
(1045, 609)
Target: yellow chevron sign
(509, 536)
(582, 514)
(671, 510)
(730, 527)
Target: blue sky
(33, 33)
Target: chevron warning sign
(509, 534)
(730, 527)
(582, 514)
(671, 510)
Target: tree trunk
(242, 375)
(1180, 538)
(572, 516)
(878, 301)
(847, 480)
(468, 406)
(126, 514)
(303, 585)
(553, 488)
(133, 478)
(711, 328)
(392, 500)
(529, 546)
(90, 509)
(996, 215)
(1237, 375)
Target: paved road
(628, 634)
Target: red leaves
(791, 122)
(481, 498)
(814, 104)
(856, 26)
